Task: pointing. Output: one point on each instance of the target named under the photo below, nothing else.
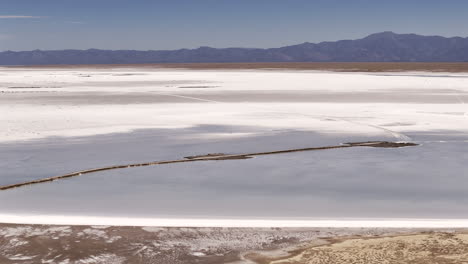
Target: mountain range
(379, 47)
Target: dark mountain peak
(383, 35)
(302, 45)
(379, 47)
(205, 48)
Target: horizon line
(201, 47)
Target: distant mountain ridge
(380, 47)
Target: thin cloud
(16, 17)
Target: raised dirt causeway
(216, 156)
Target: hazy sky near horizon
(174, 24)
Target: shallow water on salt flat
(45, 136)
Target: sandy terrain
(419, 248)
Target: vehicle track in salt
(211, 157)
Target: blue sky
(173, 24)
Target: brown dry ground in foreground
(329, 66)
(423, 248)
(30, 244)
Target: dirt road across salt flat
(217, 156)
